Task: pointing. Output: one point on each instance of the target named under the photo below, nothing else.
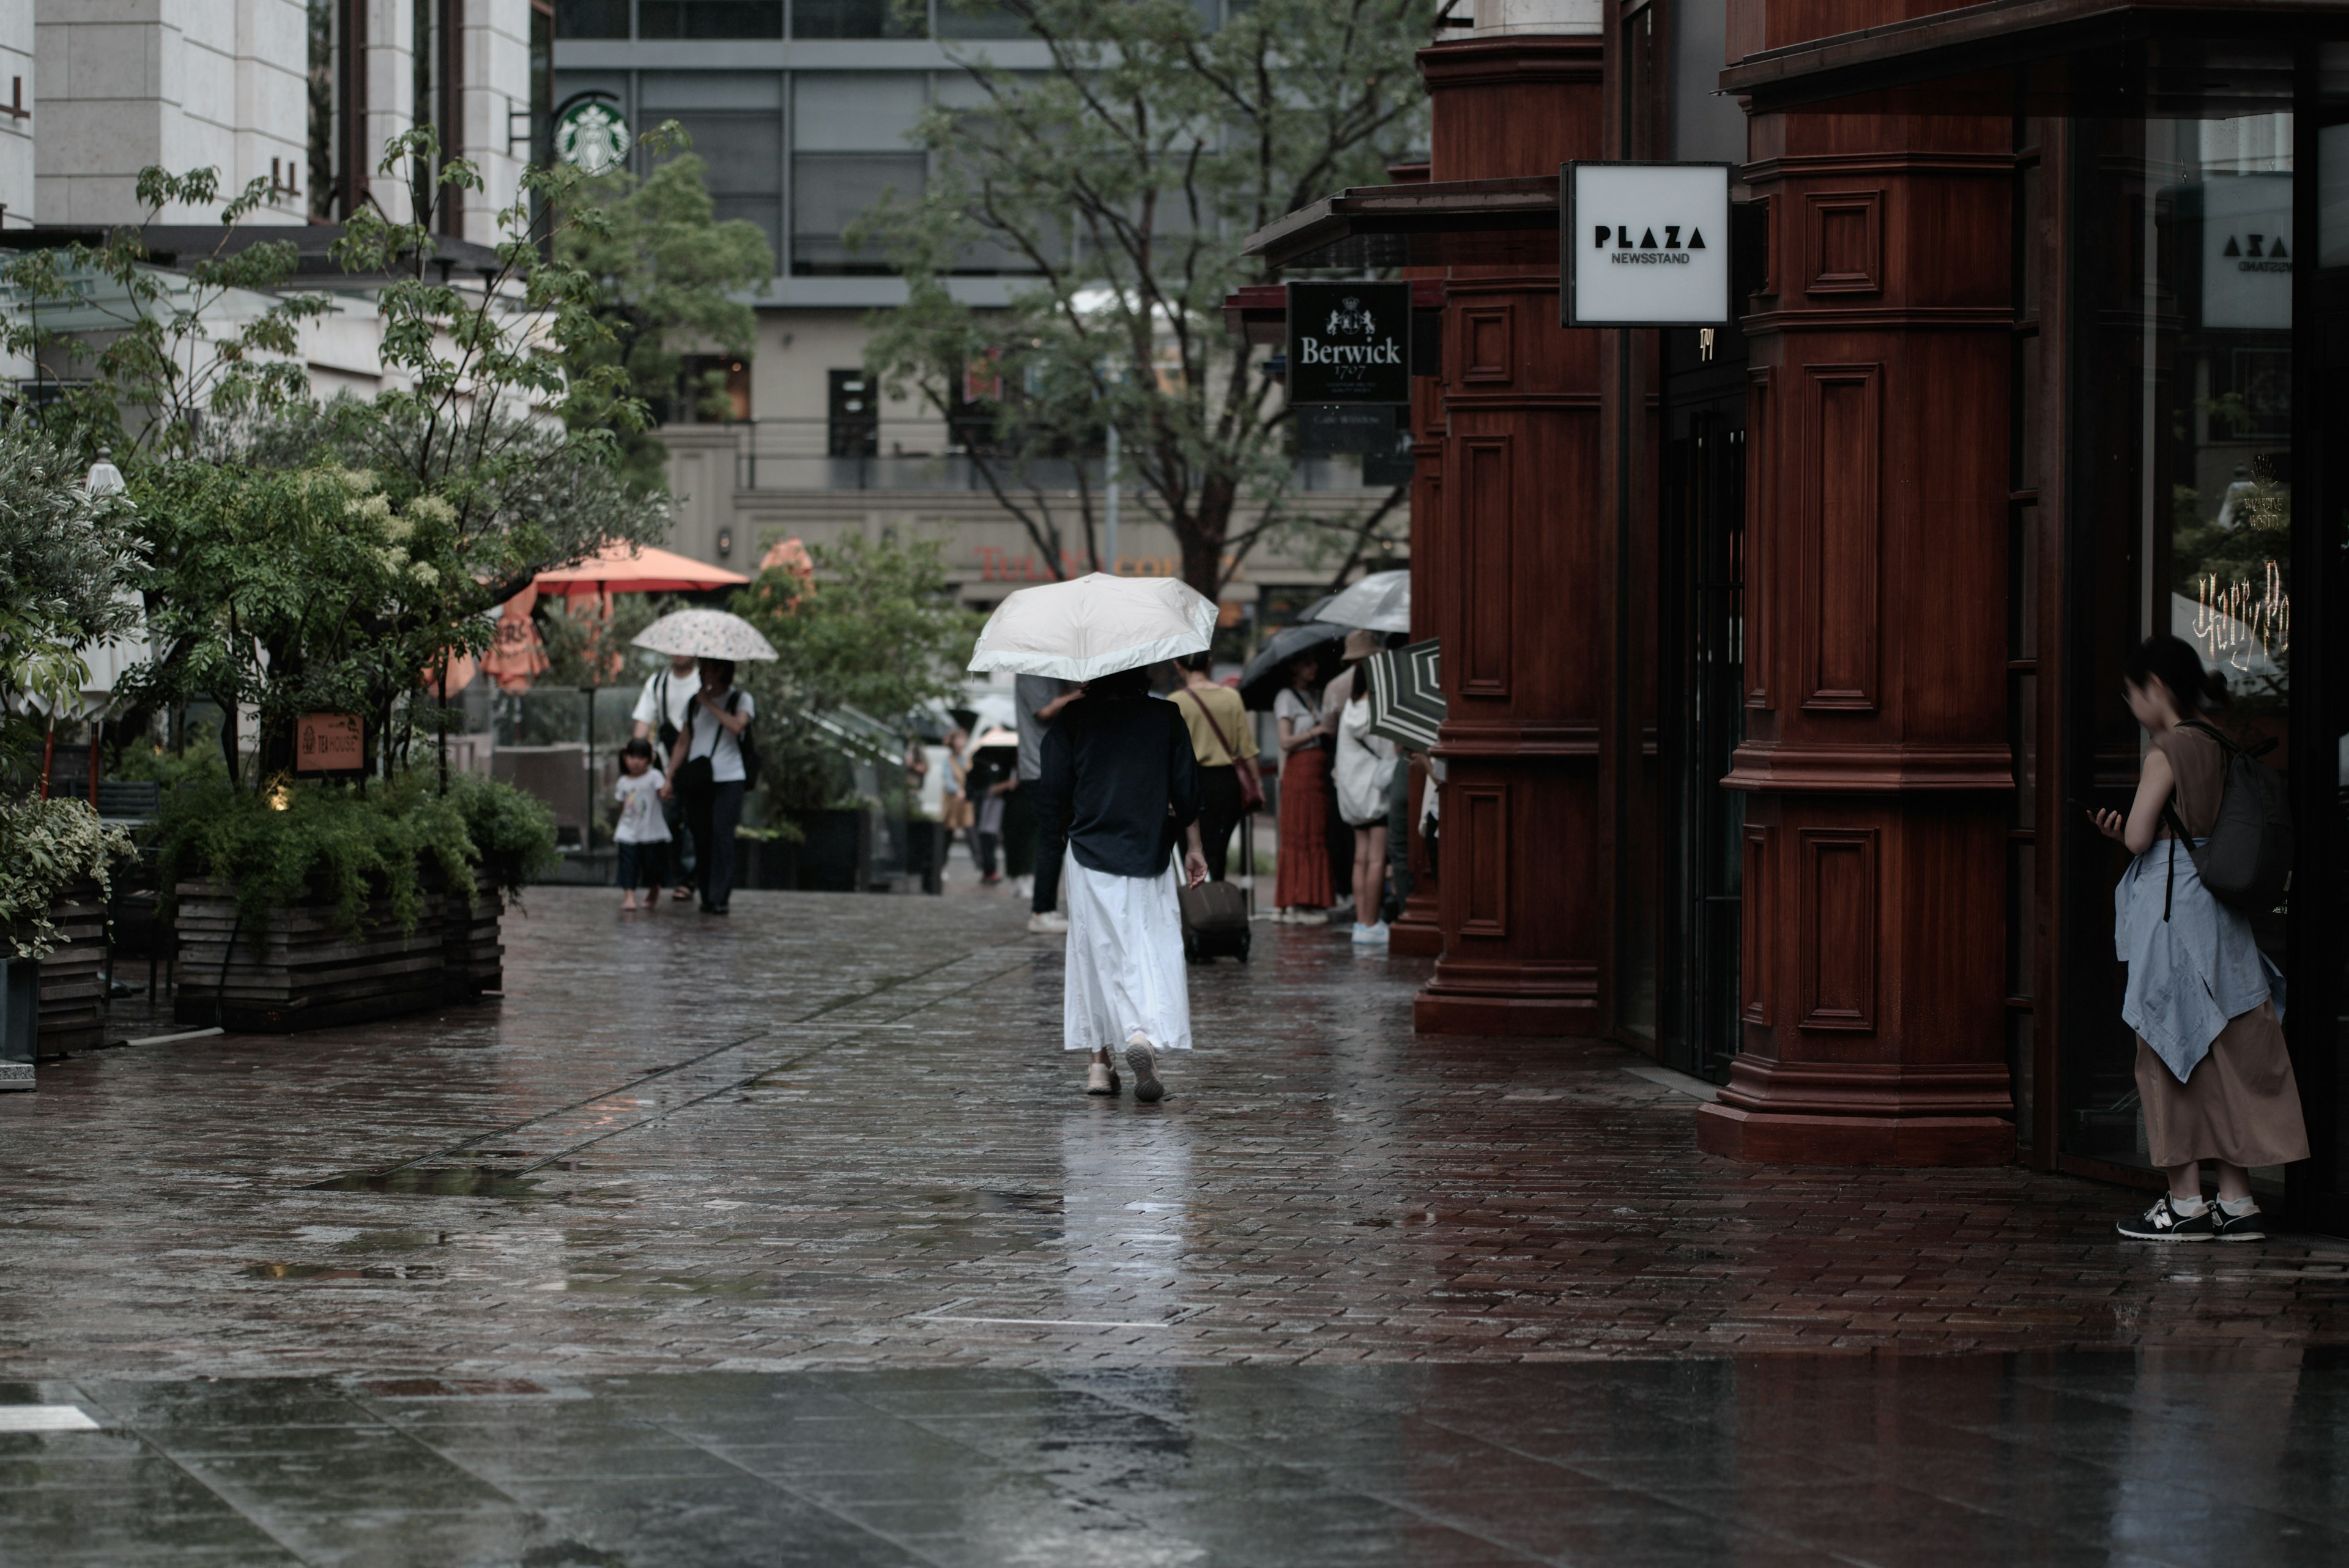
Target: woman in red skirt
(1302, 890)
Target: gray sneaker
(1144, 1063)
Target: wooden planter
(73, 977)
(308, 973)
(469, 945)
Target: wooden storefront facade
(1781, 657)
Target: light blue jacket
(2189, 973)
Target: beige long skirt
(2240, 1104)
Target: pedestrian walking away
(1033, 848)
(1361, 767)
(1301, 885)
(993, 773)
(660, 712)
(1225, 743)
(2214, 1080)
(642, 836)
(1120, 783)
(708, 771)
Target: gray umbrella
(1380, 602)
(1267, 672)
(705, 634)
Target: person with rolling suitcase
(1215, 913)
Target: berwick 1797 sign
(1644, 245)
(1350, 342)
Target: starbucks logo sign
(591, 137)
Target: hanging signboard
(1349, 343)
(328, 744)
(1644, 244)
(591, 137)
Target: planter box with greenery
(316, 906)
(56, 866)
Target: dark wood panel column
(1525, 536)
(1877, 748)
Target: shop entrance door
(1700, 698)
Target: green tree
(1123, 179)
(670, 278)
(877, 631)
(141, 354)
(296, 591)
(65, 560)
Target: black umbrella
(1267, 672)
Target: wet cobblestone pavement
(793, 1239)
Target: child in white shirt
(643, 834)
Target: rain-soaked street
(792, 1239)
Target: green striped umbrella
(1406, 698)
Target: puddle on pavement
(447, 1387)
(342, 1271)
(443, 1181)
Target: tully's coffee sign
(1350, 342)
(1644, 245)
(328, 744)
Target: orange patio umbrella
(624, 569)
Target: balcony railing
(812, 454)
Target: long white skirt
(1125, 961)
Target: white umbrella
(1095, 625)
(705, 634)
(1380, 602)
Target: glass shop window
(2183, 480)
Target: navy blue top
(1111, 766)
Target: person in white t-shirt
(660, 713)
(642, 834)
(705, 771)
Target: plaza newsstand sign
(1644, 244)
(1348, 343)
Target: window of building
(853, 417)
(712, 389)
(591, 19)
(857, 20)
(978, 19)
(848, 148)
(710, 18)
(735, 122)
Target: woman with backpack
(709, 770)
(2214, 1080)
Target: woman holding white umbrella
(711, 763)
(1119, 774)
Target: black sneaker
(2245, 1226)
(2163, 1222)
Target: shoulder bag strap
(1205, 712)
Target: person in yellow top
(1225, 743)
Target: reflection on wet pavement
(794, 1238)
(2168, 1457)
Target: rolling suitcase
(1215, 921)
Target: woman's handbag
(1251, 788)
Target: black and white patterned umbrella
(1406, 698)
